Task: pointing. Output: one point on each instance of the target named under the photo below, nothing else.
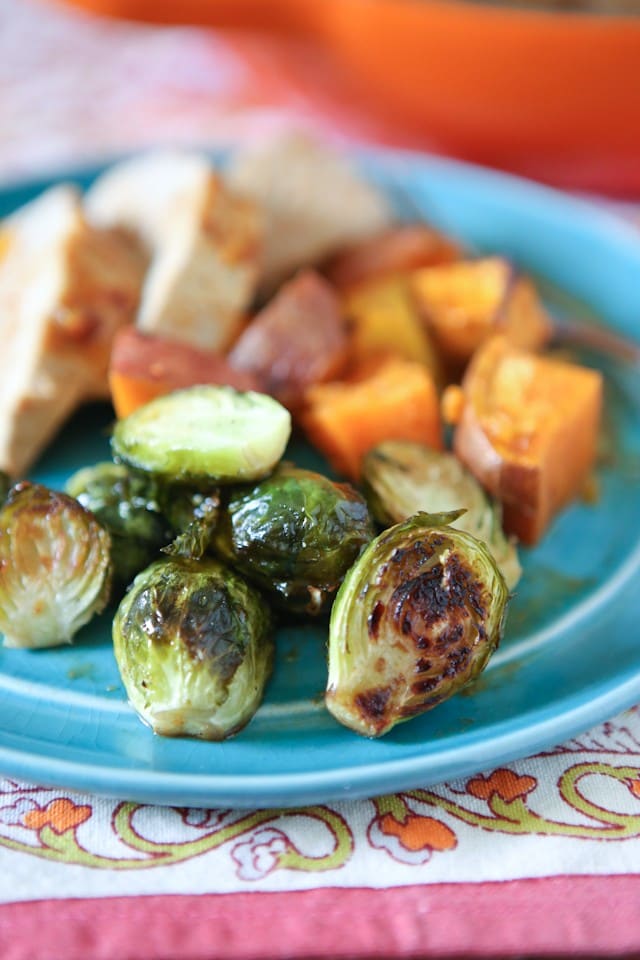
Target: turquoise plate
(571, 654)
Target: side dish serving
(220, 311)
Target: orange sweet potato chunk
(528, 430)
(144, 367)
(384, 319)
(395, 250)
(388, 398)
(464, 303)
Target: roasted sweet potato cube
(528, 430)
(395, 250)
(298, 339)
(464, 303)
(144, 367)
(385, 399)
(384, 319)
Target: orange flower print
(61, 815)
(634, 786)
(506, 784)
(412, 840)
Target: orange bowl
(550, 94)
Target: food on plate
(65, 288)
(416, 618)
(384, 319)
(205, 243)
(315, 202)
(398, 249)
(204, 433)
(55, 567)
(144, 367)
(298, 339)
(220, 311)
(463, 303)
(401, 478)
(528, 431)
(193, 645)
(386, 398)
(295, 534)
(126, 503)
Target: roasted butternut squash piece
(384, 319)
(528, 429)
(298, 339)
(464, 303)
(395, 250)
(386, 398)
(145, 367)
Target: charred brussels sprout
(55, 567)
(125, 503)
(295, 534)
(192, 642)
(401, 478)
(417, 618)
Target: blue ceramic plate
(571, 654)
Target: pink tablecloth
(538, 858)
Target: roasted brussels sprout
(204, 433)
(401, 478)
(193, 514)
(126, 504)
(55, 567)
(416, 618)
(295, 534)
(192, 642)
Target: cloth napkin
(537, 858)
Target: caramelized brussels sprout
(295, 534)
(192, 642)
(193, 514)
(208, 433)
(401, 478)
(55, 567)
(416, 618)
(125, 502)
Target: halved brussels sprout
(126, 504)
(416, 618)
(207, 432)
(401, 478)
(295, 534)
(192, 642)
(55, 567)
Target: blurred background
(547, 89)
